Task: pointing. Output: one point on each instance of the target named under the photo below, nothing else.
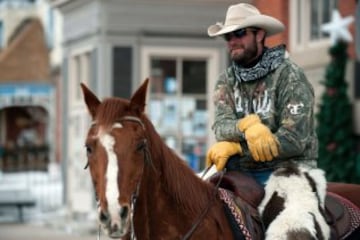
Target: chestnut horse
(143, 188)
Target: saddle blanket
(227, 197)
(354, 214)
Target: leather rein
(135, 195)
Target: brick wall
(277, 9)
(280, 10)
(347, 8)
(26, 58)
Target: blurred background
(47, 47)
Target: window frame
(301, 45)
(180, 54)
(80, 71)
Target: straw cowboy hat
(244, 15)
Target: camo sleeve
(225, 120)
(295, 104)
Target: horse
(314, 209)
(299, 210)
(144, 190)
(142, 186)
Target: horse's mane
(179, 180)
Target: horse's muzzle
(115, 226)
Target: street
(17, 231)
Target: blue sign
(25, 89)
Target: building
(28, 107)
(113, 45)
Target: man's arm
(224, 126)
(296, 117)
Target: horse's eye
(87, 165)
(88, 149)
(88, 152)
(141, 145)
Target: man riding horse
(264, 104)
(264, 121)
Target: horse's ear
(138, 99)
(92, 102)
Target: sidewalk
(28, 231)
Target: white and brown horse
(298, 204)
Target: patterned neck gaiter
(270, 60)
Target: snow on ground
(45, 187)
(50, 209)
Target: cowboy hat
(244, 15)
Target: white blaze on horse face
(112, 190)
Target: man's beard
(246, 57)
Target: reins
(203, 214)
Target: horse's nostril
(115, 228)
(124, 212)
(103, 216)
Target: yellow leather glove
(220, 152)
(262, 144)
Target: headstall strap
(136, 194)
(138, 120)
(133, 119)
(99, 231)
(132, 209)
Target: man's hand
(262, 144)
(220, 152)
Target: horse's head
(115, 146)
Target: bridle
(134, 196)
(147, 158)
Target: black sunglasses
(237, 34)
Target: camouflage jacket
(284, 100)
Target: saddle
(246, 194)
(341, 215)
(242, 185)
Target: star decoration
(338, 27)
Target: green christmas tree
(335, 126)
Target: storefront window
(178, 105)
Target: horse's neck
(171, 195)
(172, 180)
(155, 211)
